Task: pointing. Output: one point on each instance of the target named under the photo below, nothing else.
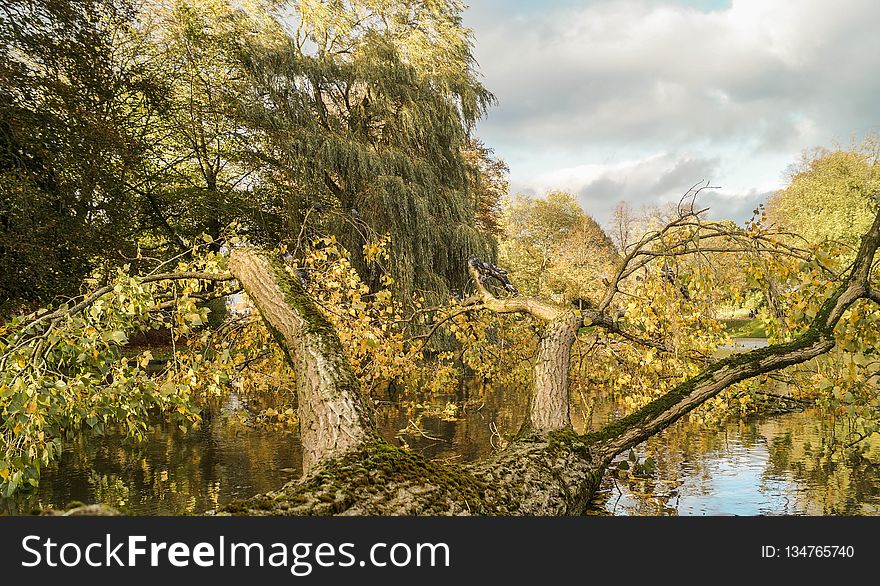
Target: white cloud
(657, 178)
(616, 95)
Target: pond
(769, 466)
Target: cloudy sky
(640, 99)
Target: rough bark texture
(549, 409)
(550, 401)
(538, 474)
(333, 414)
(353, 472)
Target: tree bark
(549, 408)
(333, 414)
(549, 404)
(537, 474)
(349, 469)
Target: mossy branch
(539, 309)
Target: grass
(745, 328)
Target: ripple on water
(766, 467)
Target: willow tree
(361, 119)
(54, 374)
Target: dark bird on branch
(669, 276)
(486, 271)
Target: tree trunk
(348, 469)
(549, 408)
(333, 414)
(537, 474)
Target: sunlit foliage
(554, 248)
(66, 368)
(829, 195)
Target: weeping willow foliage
(361, 117)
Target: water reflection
(774, 466)
(171, 473)
(767, 467)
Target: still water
(772, 466)
(769, 466)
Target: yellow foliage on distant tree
(828, 194)
(554, 248)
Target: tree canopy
(554, 247)
(366, 112)
(137, 126)
(158, 158)
(73, 103)
(828, 195)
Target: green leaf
(118, 336)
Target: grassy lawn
(745, 328)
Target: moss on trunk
(540, 474)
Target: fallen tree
(548, 469)
(71, 358)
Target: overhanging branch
(482, 271)
(27, 333)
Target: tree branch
(687, 235)
(817, 340)
(482, 271)
(606, 322)
(26, 335)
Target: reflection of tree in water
(483, 416)
(833, 481)
(797, 471)
(171, 472)
(174, 472)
